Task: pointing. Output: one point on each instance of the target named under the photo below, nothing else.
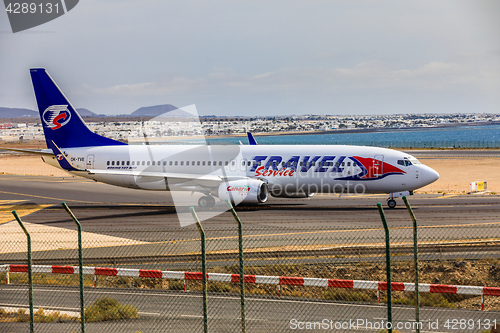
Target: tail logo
(56, 116)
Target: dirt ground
(455, 174)
(28, 165)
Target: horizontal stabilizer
(43, 152)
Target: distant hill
(157, 110)
(27, 113)
(17, 113)
(87, 113)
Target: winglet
(251, 139)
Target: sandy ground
(455, 174)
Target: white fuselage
(300, 168)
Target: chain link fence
(295, 276)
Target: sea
(485, 136)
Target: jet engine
(244, 191)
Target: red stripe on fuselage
(376, 168)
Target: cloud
(375, 75)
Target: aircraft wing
(43, 152)
(184, 179)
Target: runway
(122, 223)
(112, 208)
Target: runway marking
(449, 196)
(22, 210)
(325, 231)
(40, 196)
(83, 201)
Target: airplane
(246, 174)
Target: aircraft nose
(429, 175)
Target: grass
(21, 316)
(104, 309)
(107, 309)
(343, 295)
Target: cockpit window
(407, 161)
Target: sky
(249, 58)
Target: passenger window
(337, 164)
(164, 162)
(202, 162)
(107, 163)
(343, 163)
(182, 162)
(143, 162)
(187, 162)
(220, 163)
(249, 163)
(198, 163)
(170, 163)
(233, 163)
(133, 162)
(313, 163)
(348, 163)
(193, 163)
(301, 163)
(149, 162)
(226, 163)
(176, 162)
(208, 163)
(153, 163)
(112, 162)
(128, 162)
(354, 164)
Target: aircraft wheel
(211, 201)
(206, 201)
(391, 203)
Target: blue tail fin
(61, 123)
(251, 139)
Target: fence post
(80, 264)
(30, 271)
(242, 269)
(388, 266)
(203, 268)
(415, 261)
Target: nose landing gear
(391, 203)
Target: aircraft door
(233, 165)
(243, 165)
(378, 165)
(90, 161)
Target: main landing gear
(206, 201)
